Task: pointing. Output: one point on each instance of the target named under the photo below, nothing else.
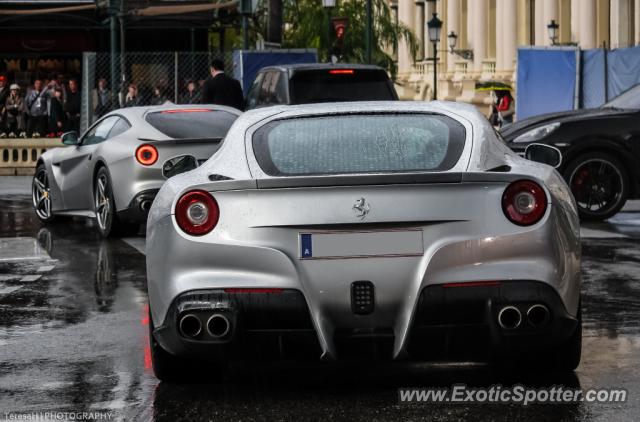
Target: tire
(105, 209)
(598, 176)
(175, 369)
(41, 195)
(567, 357)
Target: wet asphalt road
(73, 337)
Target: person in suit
(222, 89)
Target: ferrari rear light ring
(524, 202)
(146, 154)
(197, 213)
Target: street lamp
(435, 28)
(552, 30)
(328, 5)
(453, 40)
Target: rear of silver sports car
(442, 265)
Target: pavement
(74, 338)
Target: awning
(47, 10)
(182, 9)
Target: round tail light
(524, 202)
(197, 213)
(146, 154)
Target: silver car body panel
(72, 169)
(465, 235)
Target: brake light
(146, 154)
(524, 202)
(197, 213)
(341, 72)
(187, 110)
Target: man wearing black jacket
(222, 89)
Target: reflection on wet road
(73, 337)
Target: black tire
(107, 220)
(41, 195)
(610, 185)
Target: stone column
(636, 20)
(499, 41)
(575, 20)
(509, 35)
(540, 36)
(406, 10)
(587, 24)
(480, 18)
(453, 24)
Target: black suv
(319, 83)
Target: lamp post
(552, 30)
(328, 5)
(435, 28)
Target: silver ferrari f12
(113, 172)
(375, 229)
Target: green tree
(307, 27)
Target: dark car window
(192, 123)
(265, 89)
(254, 91)
(328, 85)
(359, 144)
(99, 132)
(119, 127)
(628, 99)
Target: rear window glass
(185, 124)
(340, 85)
(343, 144)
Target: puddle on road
(21, 249)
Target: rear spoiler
(366, 179)
(182, 141)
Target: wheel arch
(612, 148)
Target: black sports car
(600, 149)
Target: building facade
(492, 30)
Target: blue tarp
(623, 68)
(546, 81)
(246, 64)
(593, 74)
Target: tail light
(197, 213)
(146, 154)
(524, 202)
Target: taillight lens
(524, 202)
(146, 154)
(197, 213)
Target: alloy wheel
(41, 195)
(597, 185)
(102, 201)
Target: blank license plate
(360, 244)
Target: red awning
(182, 9)
(47, 10)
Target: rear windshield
(192, 123)
(366, 143)
(329, 85)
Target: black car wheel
(41, 195)
(600, 185)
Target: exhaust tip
(218, 326)
(509, 317)
(190, 326)
(538, 315)
(145, 205)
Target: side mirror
(70, 138)
(545, 154)
(179, 164)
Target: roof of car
(141, 111)
(320, 66)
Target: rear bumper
(138, 208)
(449, 323)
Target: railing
(488, 69)
(19, 156)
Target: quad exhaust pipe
(538, 315)
(145, 205)
(218, 326)
(190, 326)
(509, 317)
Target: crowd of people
(47, 108)
(50, 107)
